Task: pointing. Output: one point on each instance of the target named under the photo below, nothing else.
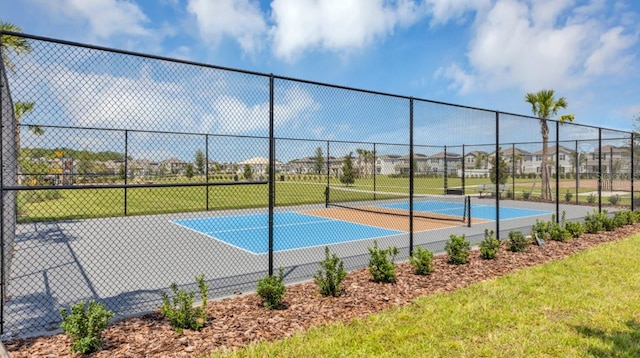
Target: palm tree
(9, 43)
(18, 45)
(544, 106)
(518, 158)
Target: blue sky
(481, 53)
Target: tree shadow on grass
(623, 343)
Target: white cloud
(539, 44)
(231, 115)
(106, 101)
(607, 57)
(105, 17)
(443, 11)
(335, 25)
(240, 19)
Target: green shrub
(614, 199)
(85, 325)
(381, 264)
(180, 311)
(620, 219)
(568, 196)
(517, 241)
(526, 195)
(329, 279)
(490, 246)
(271, 289)
(574, 228)
(422, 261)
(591, 198)
(627, 216)
(595, 222)
(541, 228)
(558, 232)
(458, 248)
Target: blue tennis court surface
(486, 212)
(291, 230)
(295, 230)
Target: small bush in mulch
(331, 275)
(381, 264)
(180, 311)
(422, 261)
(490, 246)
(458, 248)
(271, 289)
(517, 241)
(84, 324)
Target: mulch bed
(238, 321)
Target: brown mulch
(238, 321)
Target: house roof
(257, 161)
(552, 150)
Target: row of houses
(474, 163)
(478, 163)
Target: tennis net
(429, 206)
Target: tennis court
(294, 230)
(320, 227)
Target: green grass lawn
(587, 305)
(92, 203)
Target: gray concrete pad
(125, 262)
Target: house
(615, 160)
(386, 164)
(174, 165)
(258, 165)
(515, 158)
(308, 165)
(533, 161)
(439, 162)
(476, 164)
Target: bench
(489, 189)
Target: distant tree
(248, 173)
(199, 160)
(189, 171)
(122, 172)
(318, 161)
(500, 173)
(347, 170)
(544, 106)
(482, 160)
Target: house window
(562, 157)
(538, 158)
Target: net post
(577, 161)
(599, 170)
(446, 169)
(633, 172)
(468, 209)
(326, 196)
(513, 171)
(557, 198)
(206, 170)
(463, 171)
(374, 171)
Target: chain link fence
(124, 173)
